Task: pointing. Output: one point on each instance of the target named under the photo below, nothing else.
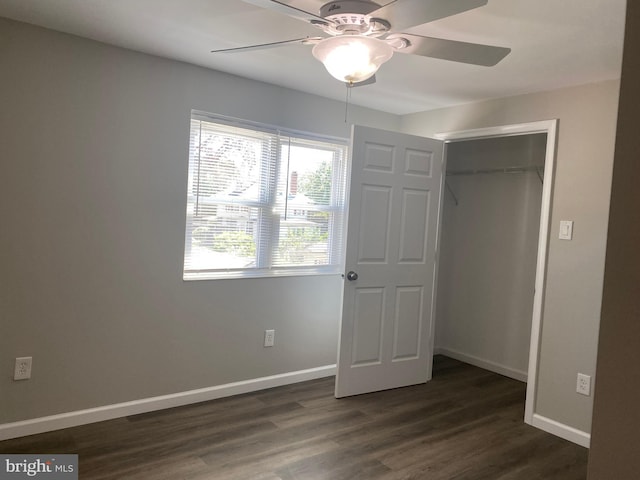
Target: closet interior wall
(489, 244)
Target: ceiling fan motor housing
(351, 17)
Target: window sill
(230, 275)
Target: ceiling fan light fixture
(352, 58)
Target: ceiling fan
(362, 35)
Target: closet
(489, 244)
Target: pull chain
(346, 101)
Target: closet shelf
(532, 168)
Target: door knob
(351, 276)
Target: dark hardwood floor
(464, 424)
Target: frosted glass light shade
(352, 58)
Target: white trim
(550, 127)
(541, 269)
(109, 412)
(434, 288)
(528, 128)
(561, 430)
(520, 375)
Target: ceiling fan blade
(289, 10)
(403, 14)
(472, 53)
(368, 81)
(262, 46)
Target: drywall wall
(571, 311)
(616, 417)
(489, 244)
(93, 177)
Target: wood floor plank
(315, 429)
(269, 460)
(465, 424)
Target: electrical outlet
(583, 385)
(269, 338)
(22, 370)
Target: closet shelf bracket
(455, 199)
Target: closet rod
(496, 170)
(491, 170)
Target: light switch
(566, 230)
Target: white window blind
(262, 201)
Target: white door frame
(550, 127)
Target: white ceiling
(555, 43)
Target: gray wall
(571, 311)
(93, 175)
(616, 416)
(489, 244)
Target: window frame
(267, 204)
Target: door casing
(550, 127)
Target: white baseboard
(482, 363)
(561, 430)
(109, 412)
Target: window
(262, 201)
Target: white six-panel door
(385, 335)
